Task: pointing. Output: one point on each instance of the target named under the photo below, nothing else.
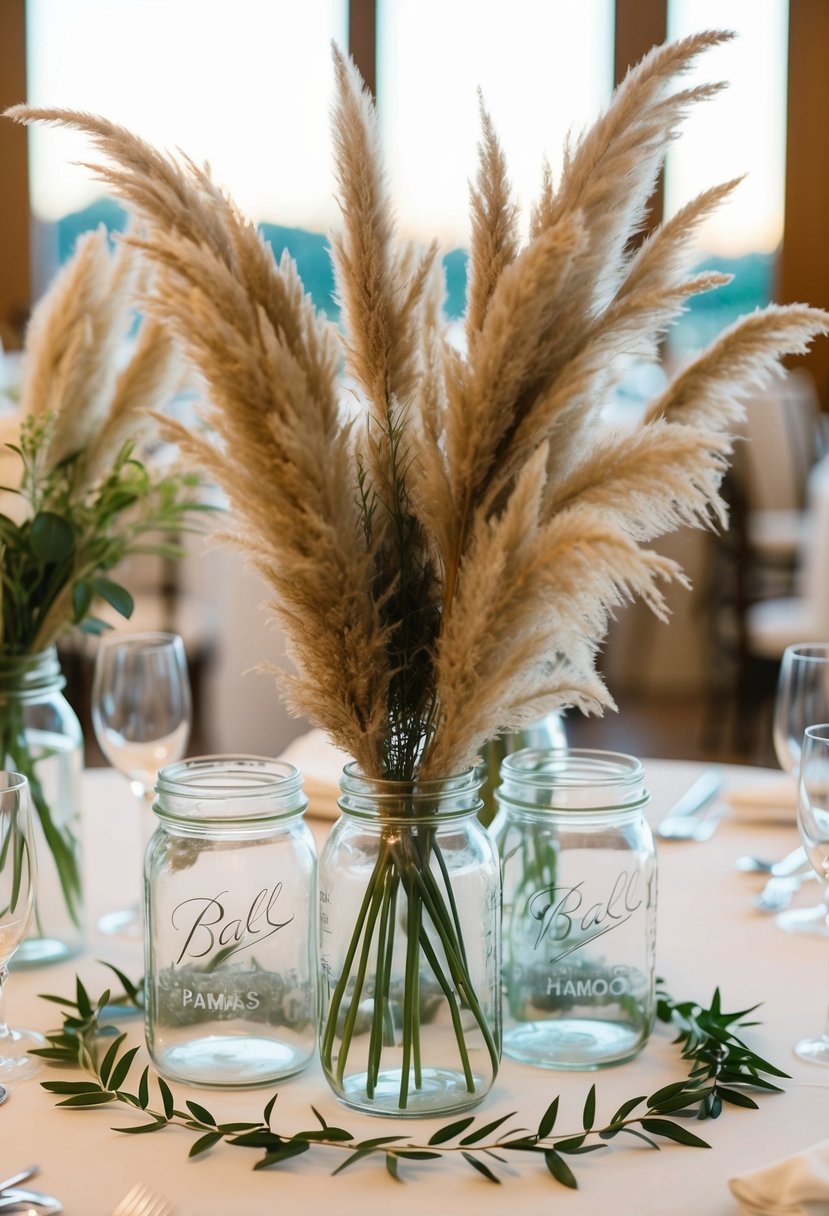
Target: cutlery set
(695, 816)
(14, 1198)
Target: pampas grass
(444, 568)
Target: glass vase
(579, 907)
(230, 941)
(409, 899)
(40, 737)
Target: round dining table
(709, 936)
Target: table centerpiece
(446, 543)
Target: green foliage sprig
(722, 1068)
(55, 563)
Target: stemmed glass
(802, 700)
(17, 894)
(813, 822)
(141, 712)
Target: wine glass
(802, 700)
(141, 712)
(17, 894)
(813, 822)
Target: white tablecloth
(709, 935)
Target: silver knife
(695, 799)
(16, 1179)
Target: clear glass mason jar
(40, 737)
(579, 907)
(230, 941)
(409, 898)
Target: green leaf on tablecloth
(166, 1097)
(133, 991)
(204, 1143)
(736, 1098)
(673, 1131)
(667, 1091)
(589, 1113)
(201, 1113)
(560, 1170)
(144, 1089)
(293, 1148)
(626, 1108)
(482, 1168)
(98, 1098)
(108, 1062)
(71, 1087)
(119, 1072)
(138, 1129)
(548, 1120)
(82, 1001)
(481, 1133)
(451, 1130)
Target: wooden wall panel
(804, 261)
(15, 271)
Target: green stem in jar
(411, 999)
(381, 1013)
(433, 900)
(454, 1011)
(362, 968)
(62, 843)
(339, 992)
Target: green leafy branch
(56, 561)
(723, 1067)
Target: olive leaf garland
(720, 1062)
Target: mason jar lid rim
(392, 787)
(609, 768)
(278, 776)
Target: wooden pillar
(804, 259)
(640, 25)
(15, 270)
(362, 40)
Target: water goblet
(17, 893)
(813, 822)
(802, 700)
(141, 713)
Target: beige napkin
(795, 1186)
(320, 763)
(771, 799)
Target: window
(246, 86)
(743, 129)
(544, 68)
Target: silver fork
(778, 893)
(141, 1201)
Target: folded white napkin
(321, 764)
(771, 799)
(796, 1186)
